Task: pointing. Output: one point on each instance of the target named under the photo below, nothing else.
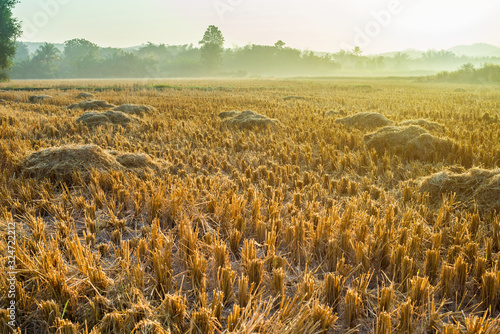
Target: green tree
(81, 57)
(212, 46)
(357, 51)
(467, 68)
(10, 29)
(279, 44)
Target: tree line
(468, 73)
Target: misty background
(80, 58)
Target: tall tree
(279, 44)
(10, 29)
(212, 46)
(357, 51)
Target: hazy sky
(321, 25)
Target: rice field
(335, 206)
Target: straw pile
(135, 109)
(131, 160)
(228, 114)
(412, 141)
(249, 120)
(92, 118)
(476, 186)
(59, 163)
(293, 97)
(335, 113)
(489, 119)
(365, 120)
(91, 105)
(39, 98)
(424, 123)
(85, 95)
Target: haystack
(39, 98)
(293, 97)
(423, 123)
(131, 160)
(335, 113)
(92, 118)
(228, 114)
(249, 119)
(366, 120)
(476, 186)
(135, 109)
(488, 118)
(91, 105)
(412, 141)
(59, 163)
(85, 95)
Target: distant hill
(476, 50)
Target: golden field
(180, 222)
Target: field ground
(179, 221)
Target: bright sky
(320, 25)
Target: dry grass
(179, 224)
